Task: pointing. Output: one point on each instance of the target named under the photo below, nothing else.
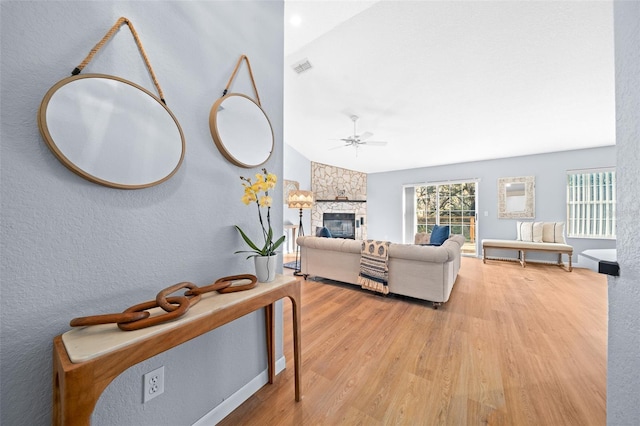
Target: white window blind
(591, 203)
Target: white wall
(73, 248)
(623, 362)
(297, 167)
(385, 193)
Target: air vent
(301, 66)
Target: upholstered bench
(524, 246)
(534, 236)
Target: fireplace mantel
(341, 201)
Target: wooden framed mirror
(111, 131)
(241, 130)
(516, 197)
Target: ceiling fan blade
(365, 135)
(337, 147)
(357, 140)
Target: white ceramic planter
(266, 268)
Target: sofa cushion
(553, 232)
(323, 232)
(439, 235)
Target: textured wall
(550, 171)
(73, 248)
(623, 376)
(328, 180)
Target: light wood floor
(512, 346)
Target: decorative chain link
(137, 316)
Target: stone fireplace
(349, 186)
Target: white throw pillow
(553, 232)
(537, 232)
(529, 231)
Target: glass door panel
(452, 204)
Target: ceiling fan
(357, 140)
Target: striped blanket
(374, 266)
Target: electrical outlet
(152, 384)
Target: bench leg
(521, 255)
(484, 255)
(561, 263)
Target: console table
(87, 359)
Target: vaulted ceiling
(445, 82)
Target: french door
(447, 203)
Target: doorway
(444, 203)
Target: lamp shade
(300, 199)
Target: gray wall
(73, 248)
(623, 362)
(384, 190)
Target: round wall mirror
(111, 131)
(241, 130)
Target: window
(452, 204)
(591, 203)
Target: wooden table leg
(75, 395)
(297, 334)
(270, 322)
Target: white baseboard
(214, 416)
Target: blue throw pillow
(439, 235)
(323, 232)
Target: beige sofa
(423, 272)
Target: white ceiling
(448, 81)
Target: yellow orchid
(252, 194)
(248, 198)
(265, 201)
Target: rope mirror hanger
(111, 131)
(239, 126)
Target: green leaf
(267, 242)
(247, 240)
(278, 243)
(254, 254)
